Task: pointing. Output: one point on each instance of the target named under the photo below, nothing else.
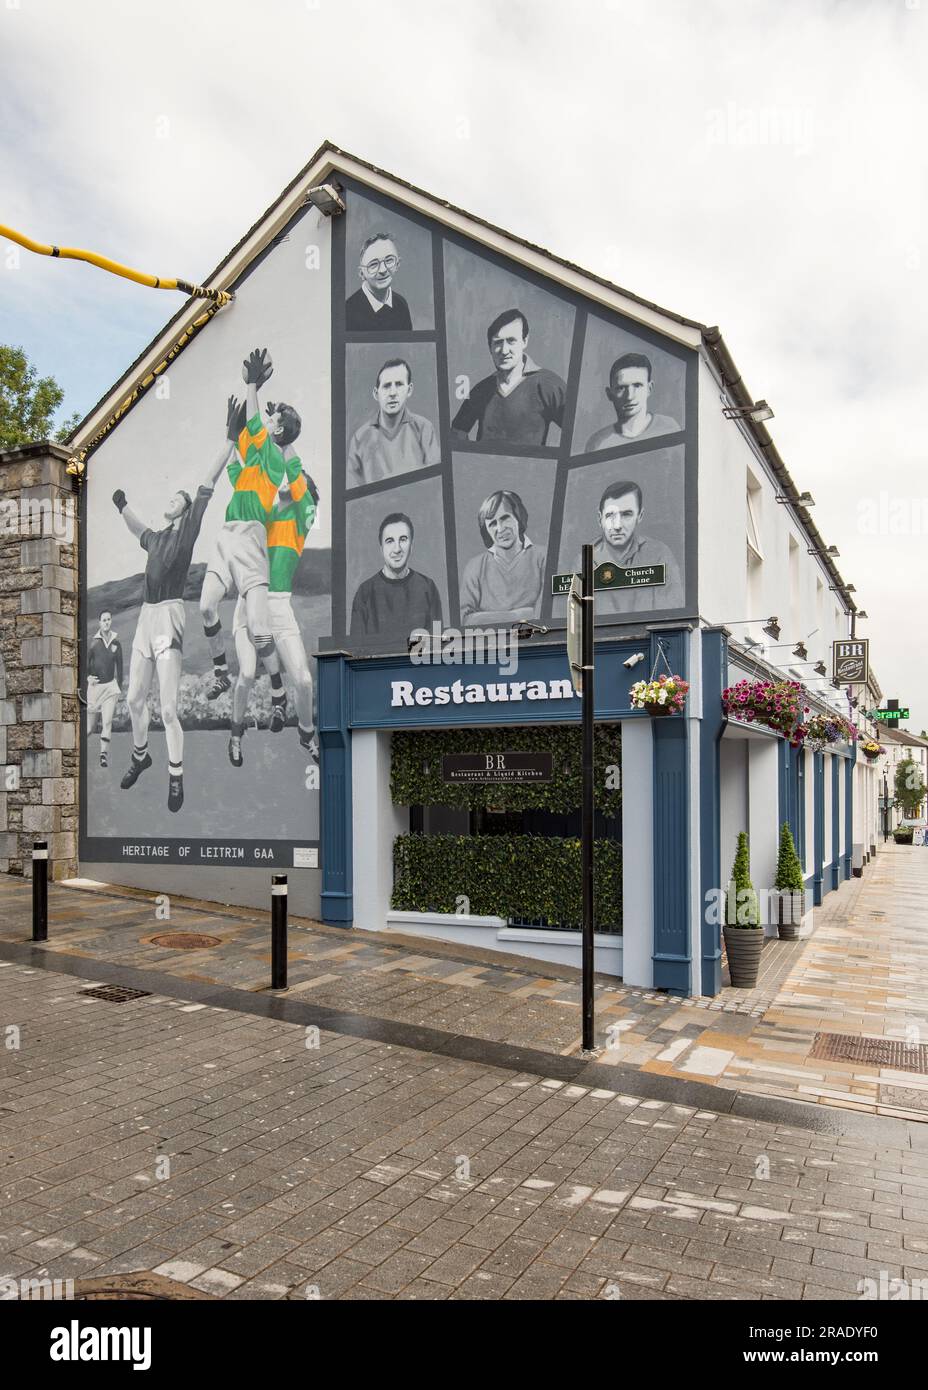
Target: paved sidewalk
(864, 971)
(249, 1159)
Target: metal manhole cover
(184, 941)
(871, 1052)
(119, 1287)
(116, 994)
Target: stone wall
(39, 708)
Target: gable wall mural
(391, 428)
(493, 423)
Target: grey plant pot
(743, 946)
(789, 914)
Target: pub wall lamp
(771, 627)
(327, 198)
(805, 499)
(832, 550)
(758, 412)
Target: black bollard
(40, 890)
(278, 931)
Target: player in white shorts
(104, 682)
(289, 643)
(159, 636)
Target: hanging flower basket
(666, 695)
(778, 705)
(822, 730)
(871, 750)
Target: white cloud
(753, 165)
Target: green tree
(910, 788)
(789, 868)
(28, 402)
(742, 909)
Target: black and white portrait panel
(391, 408)
(508, 354)
(388, 271)
(396, 572)
(633, 510)
(629, 390)
(502, 511)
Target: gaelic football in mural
(493, 423)
(208, 559)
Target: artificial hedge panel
(415, 770)
(527, 876)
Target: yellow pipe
(155, 282)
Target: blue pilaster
(672, 954)
(712, 725)
(818, 807)
(848, 814)
(798, 822)
(335, 763)
(784, 785)
(835, 821)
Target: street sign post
(610, 576)
(575, 632)
(586, 815)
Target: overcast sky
(758, 164)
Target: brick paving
(864, 970)
(220, 1150)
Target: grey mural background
(421, 500)
(414, 278)
(660, 475)
(476, 476)
(603, 344)
(560, 495)
(476, 291)
(169, 441)
(362, 362)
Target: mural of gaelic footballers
(376, 307)
(505, 583)
(397, 441)
(631, 382)
(521, 400)
(397, 598)
(292, 517)
(264, 458)
(621, 509)
(104, 682)
(159, 635)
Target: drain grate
(116, 994)
(184, 941)
(871, 1052)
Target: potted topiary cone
(791, 887)
(744, 936)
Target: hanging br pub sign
(851, 660)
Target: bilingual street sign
(610, 576)
(850, 660)
(575, 632)
(889, 714)
(497, 767)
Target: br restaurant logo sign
(851, 661)
(496, 767)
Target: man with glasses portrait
(376, 307)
